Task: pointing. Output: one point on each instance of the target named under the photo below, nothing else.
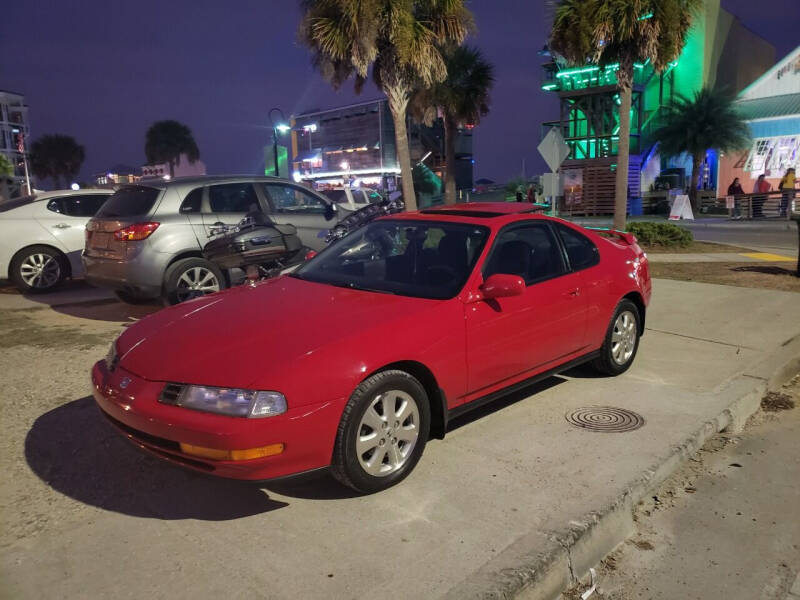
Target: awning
(787, 105)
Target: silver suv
(146, 240)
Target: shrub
(661, 234)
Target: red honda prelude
(366, 351)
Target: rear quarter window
(130, 201)
(581, 251)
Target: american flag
(20, 143)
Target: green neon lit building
(719, 51)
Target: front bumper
(307, 432)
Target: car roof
(476, 213)
(194, 180)
(80, 192)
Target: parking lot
(87, 515)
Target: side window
(233, 198)
(529, 251)
(82, 206)
(193, 202)
(582, 253)
(54, 205)
(293, 200)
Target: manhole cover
(605, 418)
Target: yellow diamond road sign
(554, 149)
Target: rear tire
(191, 278)
(382, 433)
(621, 342)
(38, 269)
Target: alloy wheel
(195, 282)
(40, 271)
(623, 338)
(387, 433)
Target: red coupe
(354, 360)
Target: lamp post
(276, 127)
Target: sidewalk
(727, 257)
(514, 500)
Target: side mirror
(310, 254)
(330, 212)
(502, 286)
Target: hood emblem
(126, 381)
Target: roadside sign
(681, 208)
(729, 202)
(554, 149)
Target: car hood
(233, 337)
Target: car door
(229, 203)
(195, 208)
(65, 219)
(297, 206)
(511, 338)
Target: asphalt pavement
(512, 485)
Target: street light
(281, 127)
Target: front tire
(38, 269)
(191, 278)
(382, 433)
(621, 342)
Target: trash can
(635, 207)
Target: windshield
(6, 205)
(423, 259)
(337, 196)
(129, 201)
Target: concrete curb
(522, 572)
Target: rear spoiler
(623, 236)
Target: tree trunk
(623, 155)
(172, 169)
(450, 133)
(697, 160)
(398, 102)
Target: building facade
(14, 133)
(720, 52)
(771, 106)
(356, 143)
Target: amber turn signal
(247, 454)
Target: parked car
(353, 198)
(41, 237)
(147, 240)
(354, 360)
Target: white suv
(41, 237)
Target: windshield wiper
(361, 288)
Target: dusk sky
(103, 71)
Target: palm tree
(56, 156)
(463, 97)
(166, 141)
(692, 126)
(621, 32)
(399, 39)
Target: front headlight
(229, 401)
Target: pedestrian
(531, 196)
(786, 186)
(735, 189)
(762, 186)
(519, 195)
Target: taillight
(135, 232)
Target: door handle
(61, 226)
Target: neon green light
(550, 86)
(592, 69)
(645, 17)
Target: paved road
(86, 515)
(735, 534)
